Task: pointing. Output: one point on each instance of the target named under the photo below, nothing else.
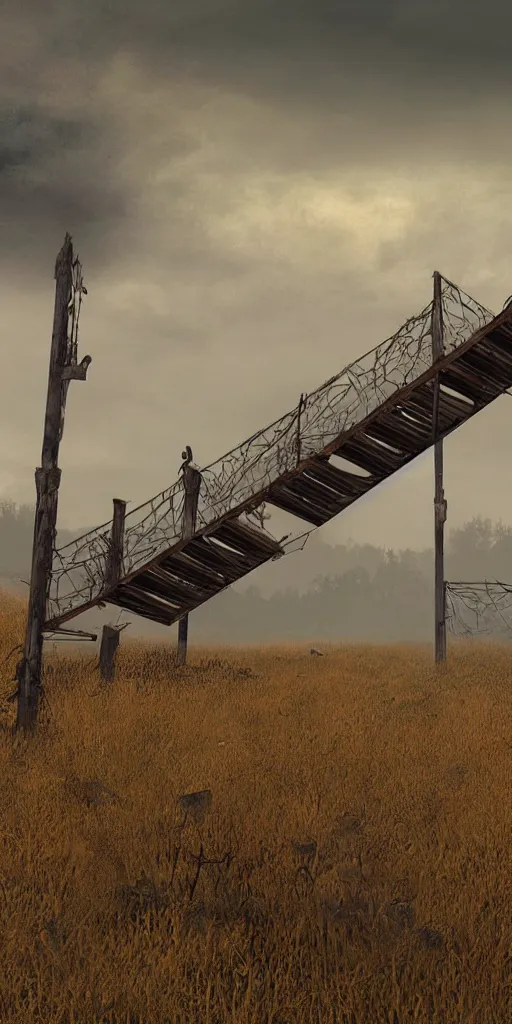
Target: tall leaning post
(63, 368)
(114, 570)
(192, 484)
(440, 505)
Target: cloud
(104, 109)
(259, 192)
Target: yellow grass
(401, 775)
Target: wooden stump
(108, 649)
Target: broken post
(440, 505)
(116, 547)
(114, 570)
(63, 368)
(108, 649)
(192, 484)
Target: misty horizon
(346, 592)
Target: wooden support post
(440, 505)
(192, 484)
(63, 368)
(114, 569)
(299, 427)
(113, 573)
(108, 649)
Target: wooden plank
(399, 439)
(283, 499)
(186, 568)
(182, 583)
(263, 541)
(498, 356)
(453, 409)
(504, 332)
(137, 604)
(500, 341)
(316, 493)
(339, 480)
(239, 560)
(481, 364)
(245, 539)
(213, 557)
(450, 406)
(499, 360)
(413, 429)
(469, 383)
(366, 453)
(160, 604)
(162, 584)
(417, 412)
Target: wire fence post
(192, 484)
(440, 505)
(110, 635)
(298, 442)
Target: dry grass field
(354, 866)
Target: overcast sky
(259, 191)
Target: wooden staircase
(190, 572)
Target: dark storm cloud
(54, 172)
(437, 38)
(376, 68)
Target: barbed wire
(460, 311)
(79, 571)
(479, 609)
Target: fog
(352, 592)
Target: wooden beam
(440, 505)
(62, 369)
(114, 569)
(192, 484)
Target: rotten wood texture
(108, 649)
(192, 484)
(185, 567)
(47, 478)
(166, 584)
(245, 539)
(136, 599)
(478, 371)
(114, 570)
(184, 580)
(379, 460)
(439, 498)
(216, 558)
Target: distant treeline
(362, 592)
(16, 530)
(371, 594)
